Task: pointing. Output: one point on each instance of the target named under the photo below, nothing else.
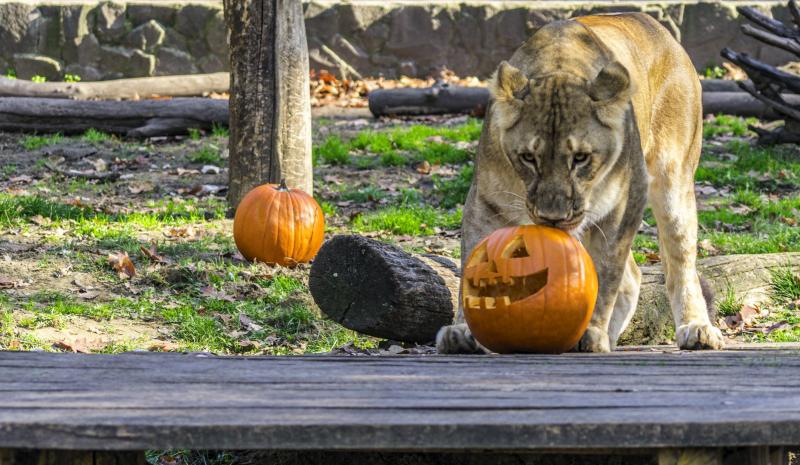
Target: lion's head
(561, 130)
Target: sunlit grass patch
(729, 303)
(35, 142)
(785, 285)
(332, 152)
(94, 136)
(753, 168)
(207, 155)
(728, 125)
(408, 220)
(454, 190)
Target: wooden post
(70, 457)
(270, 114)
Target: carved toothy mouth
(501, 292)
(495, 284)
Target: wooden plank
(575, 401)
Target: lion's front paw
(457, 339)
(697, 335)
(594, 340)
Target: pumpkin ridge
(272, 201)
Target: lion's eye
(581, 157)
(528, 156)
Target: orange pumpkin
(529, 289)
(275, 224)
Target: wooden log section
(380, 290)
(719, 96)
(190, 85)
(377, 289)
(143, 118)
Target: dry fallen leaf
(80, 346)
(163, 346)
(151, 253)
(424, 167)
(122, 264)
(140, 187)
(212, 293)
(248, 324)
(706, 246)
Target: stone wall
(369, 37)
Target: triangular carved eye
(515, 249)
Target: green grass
(94, 136)
(72, 78)
(206, 155)
(785, 285)
(17, 210)
(398, 146)
(714, 72)
(728, 125)
(194, 133)
(37, 142)
(38, 79)
(332, 152)
(780, 164)
(729, 304)
(454, 190)
(11, 73)
(393, 159)
(218, 130)
(408, 220)
(364, 194)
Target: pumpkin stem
(282, 187)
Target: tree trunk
(193, 85)
(270, 113)
(377, 289)
(718, 97)
(142, 118)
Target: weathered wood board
(623, 400)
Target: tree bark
(377, 289)
(718, 97)
(270, 113)
(133, 89)
(143, 118)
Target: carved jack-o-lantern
(529, 289)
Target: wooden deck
(581, 402)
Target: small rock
(28, 65)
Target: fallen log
(377, 289)
(726, 98)
(143, 118)
(380, 290)
(190, 85)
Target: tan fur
(589, 119)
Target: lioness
(587, 119)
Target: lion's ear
(612, 83)
(508, 83)
(508, 87)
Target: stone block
(212, 64)
(126, 61)
(141, 13)
(75, 21)
(110, 21)
(173, 61)
(191, 19)
(87, 49)
(216, 34)
(146, 36)
(86, 73)
(28, 65)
